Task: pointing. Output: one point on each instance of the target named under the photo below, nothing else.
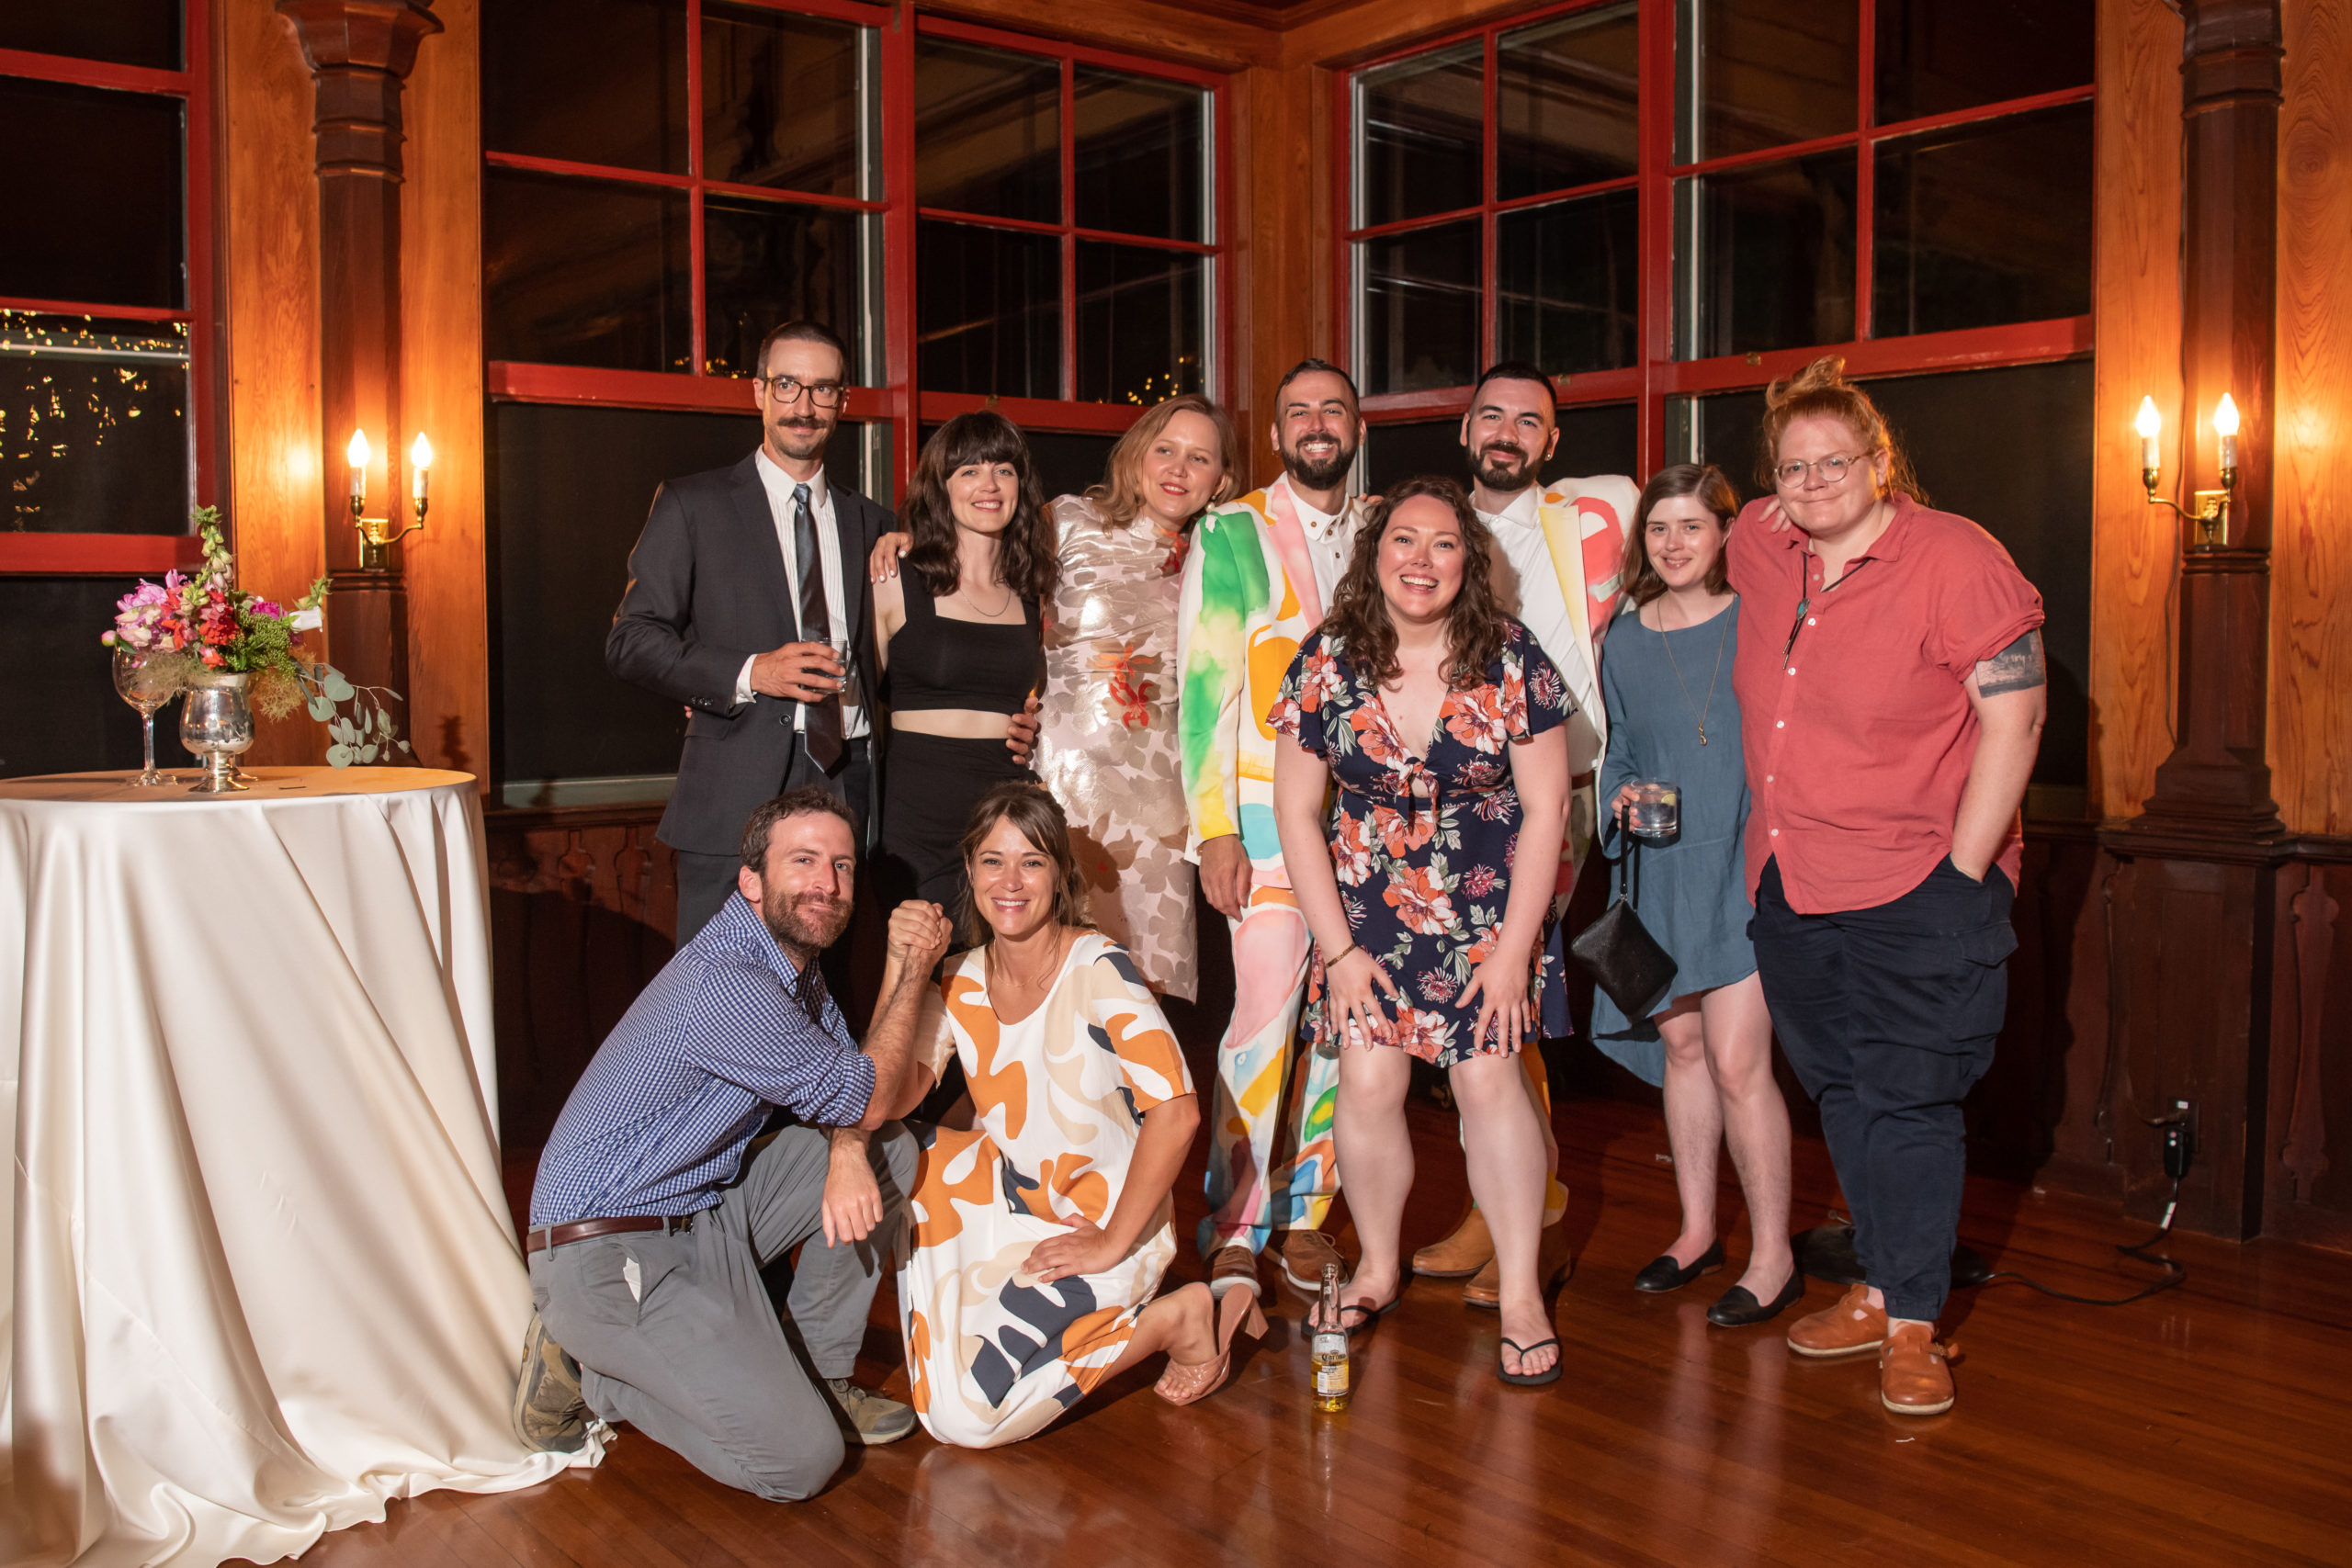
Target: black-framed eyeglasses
(787, 388)
(1833, 470)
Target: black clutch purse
(1618, 951)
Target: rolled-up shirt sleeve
(748, 1031)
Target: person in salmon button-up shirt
(1891, 700)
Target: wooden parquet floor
(2203, 1426)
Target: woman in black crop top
(961, 648)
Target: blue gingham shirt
(660, 1120)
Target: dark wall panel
(59, 713)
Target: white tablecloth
(262, 1273)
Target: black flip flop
(1530, 1379)
(1371, 1314)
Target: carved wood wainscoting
(584, 907)
(2307, 1194)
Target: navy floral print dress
(1423, 845)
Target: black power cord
(2174, 1274)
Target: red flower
(1283, 717)
(1375, 737)
(1514, 698)
(1320, 683)
(1351, 850)
(1476, 719)
(1401, 834)
(1420, 903)
(1424, 1034)
(1480, 881)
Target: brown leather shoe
(1914, 1372)
(1552, 1267)
(1303, 1256)
(1461, 1255)
(1234, 1268)
(1848, 1328)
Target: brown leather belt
(540, 1238)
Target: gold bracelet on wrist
(1330, 960)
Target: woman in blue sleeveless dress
(1666, 677)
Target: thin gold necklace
(997, 613)
(1697, 713)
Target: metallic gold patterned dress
(1107, 743)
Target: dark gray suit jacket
(707, 589)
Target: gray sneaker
(868, 1417)
(549, 1413)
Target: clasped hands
(1354, 986)
(852, 1205)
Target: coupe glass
(144, 686)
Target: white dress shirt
(779, 486)
(1331, 542)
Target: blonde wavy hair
(1821, 390)
(1119, 497)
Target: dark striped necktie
(824, 732)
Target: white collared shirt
(779, 486)
(1330, 542)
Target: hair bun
(1823, 375)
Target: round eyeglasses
(787, 390)
(1832, 470)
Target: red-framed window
(106, 297)
(1667, 203)
(1660, 199)
(965, 205)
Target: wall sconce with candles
(2209, 508)
(377, 533)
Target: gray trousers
(675, 1334)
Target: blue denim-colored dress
(1693, 895)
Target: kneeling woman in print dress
(1040, 1235)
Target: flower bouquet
(189, 629)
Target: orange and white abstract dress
(993, 1355)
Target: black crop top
(982, 666)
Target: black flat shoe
(1660, 1275)
(1737, 1307)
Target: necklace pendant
(1703, 734)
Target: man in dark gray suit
(743, 585)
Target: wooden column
(2192, 905)
(360, 51)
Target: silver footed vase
(217, 724)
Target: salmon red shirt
(1859, 738)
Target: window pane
(1769, 253)
(1395, 453)
(1420, 309)
(93, 194)
(93, 425)
(1141, 168)
(988, 132)
(1597, 438)
(1565, 96)
(127, 32)
(583, 272)
(593, 80)
(1138, 323)
(765, 263)
(1422, 133)
(988, 310)
(59, 713)
(1756, 73)
(1564, 279)
(1936, 58)
(782, 103)
(1984, 224)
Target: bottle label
(1330, 1377)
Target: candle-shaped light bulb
(2150, 424)
(357, 454)
(2225, 426)
(420, 459)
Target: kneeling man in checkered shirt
(650, 1225)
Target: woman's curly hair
(1476, 627)
(1025, 558)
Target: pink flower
(1480, 881)
(1477, 720)
(1351, 850)
(1320, 683)
(1420, 903)
(1424, 1034)
(1435, 986)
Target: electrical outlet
(2179, 1131)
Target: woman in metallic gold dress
(1106, 746)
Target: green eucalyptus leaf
(337, 689)
(338, 756)
(321, 709)
(368, 753)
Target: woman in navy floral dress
(1439, 719)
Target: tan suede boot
(1467, 1250)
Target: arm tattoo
(2016, 668)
